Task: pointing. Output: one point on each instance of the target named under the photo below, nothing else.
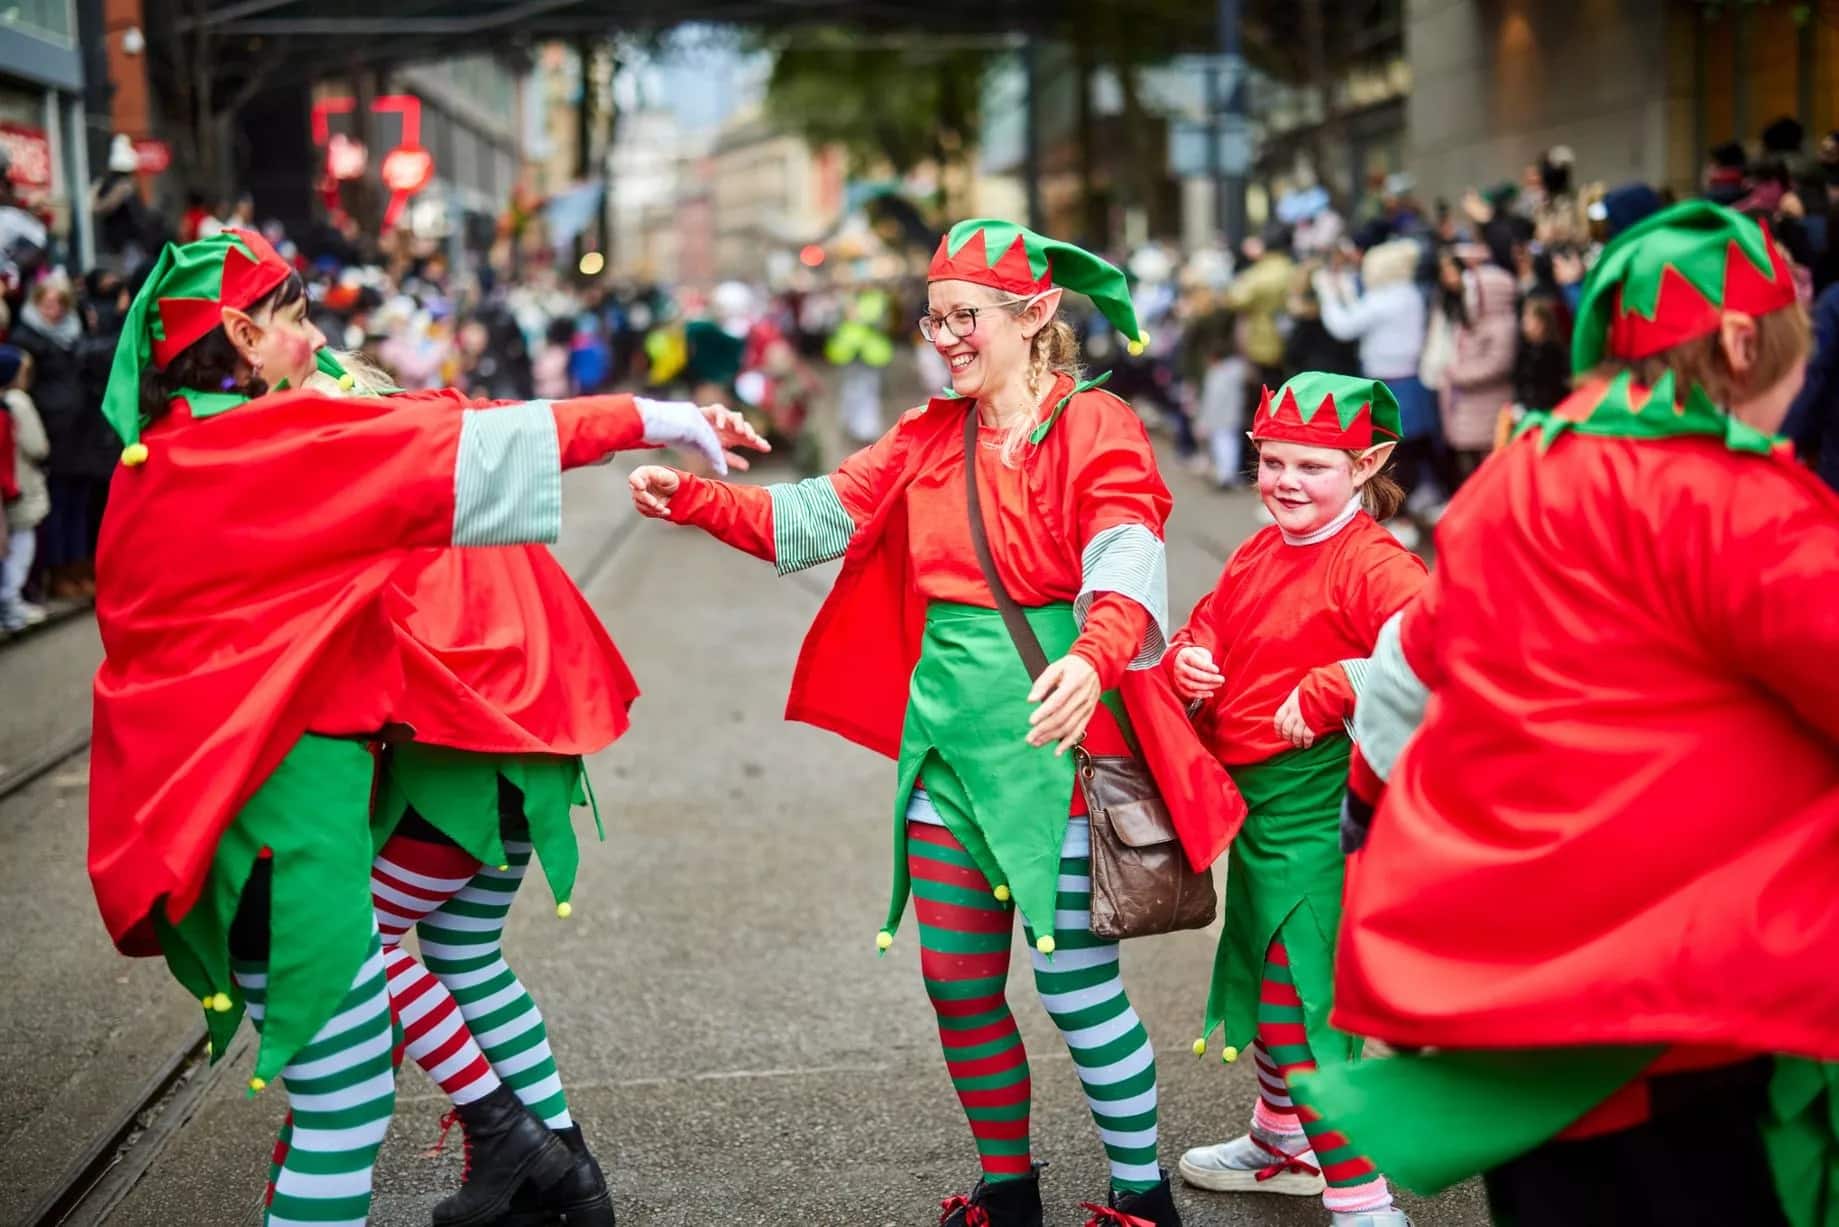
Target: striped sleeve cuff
(809, 524)
(507, 482)
(1390, 701)
(1131, 561)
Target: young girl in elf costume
(1600, 880)
(910, 657)
(247, 556)
(1265, 656)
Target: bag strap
(1022, 634)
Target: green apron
(965, 739)
(1283, 880)
(1433, 1119)
(313, 817)
(457, 792)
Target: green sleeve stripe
(809, 524)
(507, 482)
(1390, 700)
(1131, 561)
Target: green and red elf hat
(1345, 412)
(182, 300)
(1668, 280)
(1014, 259)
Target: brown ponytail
(1380, 494)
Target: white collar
(1327, 530)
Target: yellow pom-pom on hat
(221, 1003)
(1200, 1047)
(564, 910)
(134, 454)
(1138, 344)
(346, 382)
(502, 868)
(1229, 1054)
(258, 1084)
(884, 940)
(1045, 944)
(1002, 893)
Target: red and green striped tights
(965, 935)
(1282, 1051)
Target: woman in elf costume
(1266, 657)
(509, 679)
(909, 657)
(246, 566)
(1600, 880)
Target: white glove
(679, 423)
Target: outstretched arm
(792, 525)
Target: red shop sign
(29, 151)
(154, 156)
(407, 169)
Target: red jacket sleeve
(741, 516)
(1112, 634)
(591, 428)
(1115, 479)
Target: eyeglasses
(961, 323)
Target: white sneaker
(1391, 1216)
(33, 614)
(1254, 1163)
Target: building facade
(1639, 89)
(43, 118)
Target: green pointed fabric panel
(1626, 411)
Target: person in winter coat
(81, 458)
(1478, 378)
(1386, 315)
(25, 512)
(1813, 422)
(1257, 295)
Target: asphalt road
(731, 1044)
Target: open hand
(733, 430)
(1067, 692)
(1196, 676)
(710, 431)
(1290, 724)
(653, 487)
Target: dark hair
(561, 331)
(210, 363)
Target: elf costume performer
(252, 654)
(509, 679)
(909, 657)
(1600, 880)
(1266, 656)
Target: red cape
(239, 581)
(853, 669)
(503, 655)
(1619, 820)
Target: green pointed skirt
(965, 738)
(1283, 882)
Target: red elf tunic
(896, 513)
(1287, 615)
(224, 648)
(1619, 820)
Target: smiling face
(1303, 487)
(994, 358)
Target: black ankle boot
(505, 1146)
(580, 1199)
(1005, 1203)
(1156, 1207)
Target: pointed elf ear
(1737, 338)
(1368, 464)
(244, 333)
(1039, 313)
